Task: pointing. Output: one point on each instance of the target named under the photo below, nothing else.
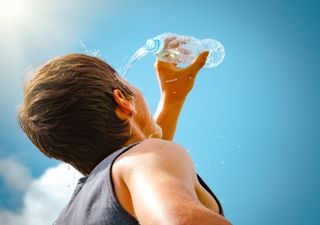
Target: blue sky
(251, 124)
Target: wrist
(173, 98)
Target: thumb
(198, 63)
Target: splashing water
(93, 52)
(141, 52)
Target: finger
(168, 40)
(184, 51)
(198, 63)
(175, 43)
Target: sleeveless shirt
(94, 201)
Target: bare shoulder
(153, 156)
(144, 163)
(161, 147)
(155, 150)
(159, 180)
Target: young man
(77, 109)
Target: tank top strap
(110, 159)
(109, 181)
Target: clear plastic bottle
(180, 49)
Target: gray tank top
(94, 201)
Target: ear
(125, 108)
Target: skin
(156, 180)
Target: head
(77, 109)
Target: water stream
(141, 52)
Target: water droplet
(93, 52)
(167, 81)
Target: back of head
(69, 110)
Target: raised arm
(175, 84)
(161, 179)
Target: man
(79, 110)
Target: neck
(136, 134)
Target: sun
(11, 11)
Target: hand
(175, 83)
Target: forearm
(176, 82)
(167, 115)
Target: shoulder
(155, 150)
(154, 155)
(160, 179)
(162, 148)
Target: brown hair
(69, 110)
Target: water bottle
(173, 48)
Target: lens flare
(11, 11)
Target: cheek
(142, 110)
(147, 114)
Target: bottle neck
(154, 45)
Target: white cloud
(15, 175)
(44, 198)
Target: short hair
(68, 110)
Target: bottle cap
(154, 45)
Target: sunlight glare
(11, 11)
